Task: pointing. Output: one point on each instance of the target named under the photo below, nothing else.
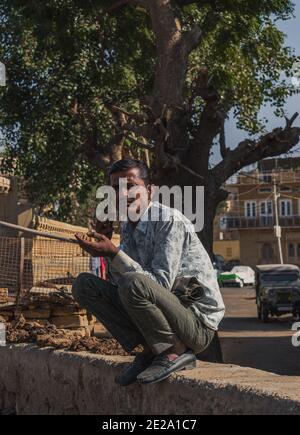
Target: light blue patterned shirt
(167, 248)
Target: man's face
(131, 190)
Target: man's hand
(105, 228)
(102, 247)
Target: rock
(82, 332)
(70, 321)
(38, 323)
(2, 319)
(92, 319)
(37, 314)
(3, 295)
(46, 340)
(67, 311)
(6, 317)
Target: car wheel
(264, 314)
(241, 284)
(259, 313)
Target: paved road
(246, 341)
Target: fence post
(21, 273)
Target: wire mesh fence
(39, 266)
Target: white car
(245, 273)
(239, 275)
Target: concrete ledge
(44, 381)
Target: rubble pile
(57, 308)
(3, 295)
(44, 334)
(56, 320)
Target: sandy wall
(43, 381)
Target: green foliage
(59, 51)
(246, 56)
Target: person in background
(98, 264)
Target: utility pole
(277, 227)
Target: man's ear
(150, 189)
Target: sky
(292, 30)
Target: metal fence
(36, 265)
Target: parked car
(218, 262)
(229, 265)
(239, 275)
(277, 291)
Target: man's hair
(129, 163)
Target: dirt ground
(247, 342)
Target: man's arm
(169, 246)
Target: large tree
(91, 81)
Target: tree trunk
(213, 196)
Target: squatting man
(162, 292)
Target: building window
(266, 208)
(298, 250)
(285, 207)
(291, 250)
(265, 190)
(267, 252)
(285, 189)
(265, 178)
(250, 209)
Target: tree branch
(191, 39)
(112, 151)
(190, 2)
(145, 146)
(121, 3)
(279, 141)
(223, 148)
(211, 121)
(138, 117)
(118, 5)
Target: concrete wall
(253, 240)
(43, 381)
(14, 209)
(229, 249)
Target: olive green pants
(140, 311)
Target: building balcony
(267, 178)
(240, 223)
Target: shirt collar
(142, 225)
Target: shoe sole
(133, 381)
(189, 366)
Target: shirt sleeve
(169, 247)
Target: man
(163, 292)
